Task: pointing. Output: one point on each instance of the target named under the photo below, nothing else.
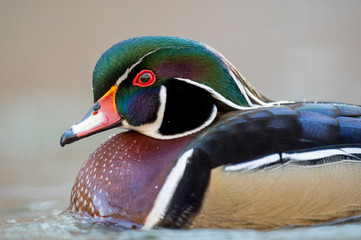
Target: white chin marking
(165, 195)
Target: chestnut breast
(123, 176)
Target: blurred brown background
(289, 50)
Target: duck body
(207, 150)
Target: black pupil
(145, 77)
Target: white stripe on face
(215, 94)
(128, 70)
(219, 97)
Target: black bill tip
(68, 137)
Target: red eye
(144, 79)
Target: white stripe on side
(296, 157)
(352, 150)
(166, 193)
(312, 155)
(323, 153)
(264, 161)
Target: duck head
(162, 87)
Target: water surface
(36, 219)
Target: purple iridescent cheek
(142, 107)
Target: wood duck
(206, 150)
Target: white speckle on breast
(85, 203)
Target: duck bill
(102, 116)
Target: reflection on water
(61, 225)
(46, 219)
